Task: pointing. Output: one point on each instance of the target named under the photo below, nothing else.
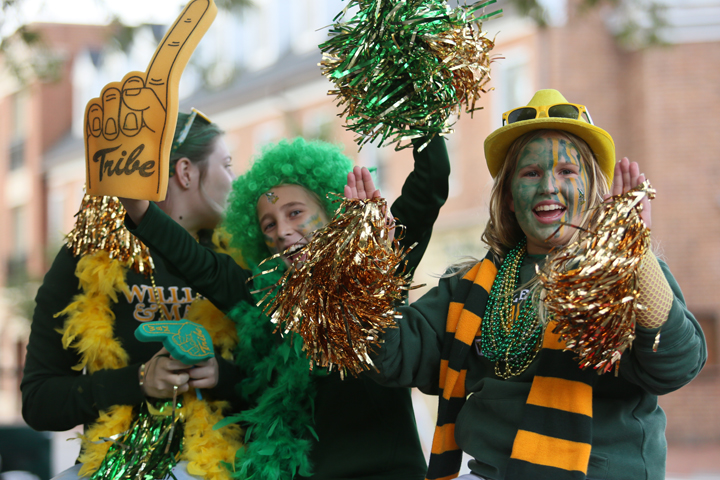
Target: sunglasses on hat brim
(559, 110)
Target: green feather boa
(279, 387)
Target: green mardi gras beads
(512, 343)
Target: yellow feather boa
(89, 329)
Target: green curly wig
(318, 166)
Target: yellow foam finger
(139, 114)
(172, 55)
(93, 119)
(131, 113)
(111, 112)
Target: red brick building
(33, 119)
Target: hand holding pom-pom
(343, 295)
(590, 287)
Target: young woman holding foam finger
(95, 326)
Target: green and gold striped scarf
(555, 433)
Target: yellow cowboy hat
(548, 109)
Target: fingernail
(132, 92)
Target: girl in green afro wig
(319, 167)
(301, 422)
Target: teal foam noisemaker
(186, 341)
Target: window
(309, 19)
(17, 260)
(514, 87)
(18, 132)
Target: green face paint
(548, 189)
(312, 224)
(271, 243)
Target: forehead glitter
(272, 198)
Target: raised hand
(129, 128)
(360, 185)
(627, 176)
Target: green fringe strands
(401, 68)
(149, 449)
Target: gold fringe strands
(99, 227)
(590, 286)
(341, 294)
(402, 68)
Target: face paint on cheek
(523, 189)
(312, 224)
(271, 244)
(557, 154)
(574, 188)
(522, 199)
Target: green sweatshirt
(628, 425)
(366, 431)
(54, 396)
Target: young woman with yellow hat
(510, 396)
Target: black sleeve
(425, 190)
(54, 396)
(215, 276)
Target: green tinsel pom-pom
(149, 449)
(401, 68)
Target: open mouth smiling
(549, 212)
(295, 252)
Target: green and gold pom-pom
(402, 68)
(149, 449)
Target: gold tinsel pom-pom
(99, 226)
(590, 286)
(344, 292)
